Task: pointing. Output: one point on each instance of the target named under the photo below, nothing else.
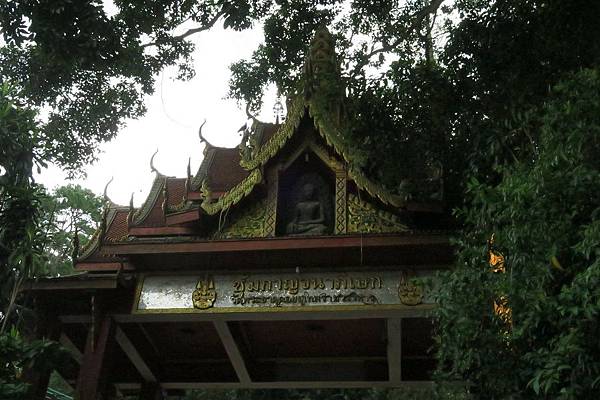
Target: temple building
(277, 264)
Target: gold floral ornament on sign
(409, 293)
(205, 295)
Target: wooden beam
(131, 386)
(419, 311)
(297, 385)
(76, 319)
(282, 243)
(183, 217)
(134, 356)
(233, 351)
(83, 282)
(71, 348)
(162, 230)
(104, 266)
(394, 349)
(92, 382)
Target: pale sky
(171, 123)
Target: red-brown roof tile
(176, 190)
(118, 228)
(225, 171)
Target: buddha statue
(308, 217)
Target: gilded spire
(323, 84)
(321, 67)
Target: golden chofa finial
(152, 167)
(202, 138)
(131, 212)
(105, 192)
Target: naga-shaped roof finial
(249, 114)
(131, 213)
(105, 192)
(152, 167)
(202, 138)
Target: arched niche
(306, 197)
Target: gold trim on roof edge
(142, 213)
(276, 142)
(94, 242)
(332, 137)
(234, 195)
(375, 190)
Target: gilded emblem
(409, 293)
(205, 295)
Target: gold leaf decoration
(249, 224)
(204, 295)
(363, 217)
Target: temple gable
(290, 179)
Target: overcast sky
(171, 123)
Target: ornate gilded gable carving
(363, 217)
(248, 224)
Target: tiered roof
(190, 207)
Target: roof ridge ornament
(249, 114)
(152, 167)
(202, 138)
(105, 192)
(323, 85)
(131, 212)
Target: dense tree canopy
(544, 214)
(72, 215)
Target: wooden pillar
(151, 391)
(394, 350)
(48, 327)
(92, 383)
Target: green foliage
(21, 231)
(546, 220)
(19, 356)
(89, 67)
(431, 83)
(23, 240)
(70, 210)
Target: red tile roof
(224, 171)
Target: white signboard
(275, 292)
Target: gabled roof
(328, 130)
(228, 175)
(112, 229)
(220, 167)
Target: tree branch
(192, 31)
(418, 16)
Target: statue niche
(308, 217)
(307, 209)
